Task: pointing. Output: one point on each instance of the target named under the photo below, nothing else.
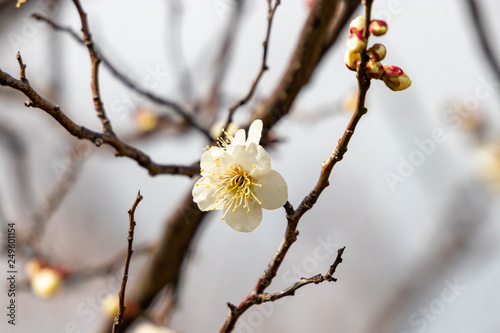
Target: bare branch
(95, 60)
(482, 34)
(290, 291)
(81, 132)
(221, 64)
(164, 267)
(130, 238)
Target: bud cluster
(393, 76)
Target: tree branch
(163, 269)
(290, 291)
(81, 132)
(130, 238)
(95, 61)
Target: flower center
(236, 189)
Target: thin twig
(263, 67)
(81, 132)
(294, 216)
(130, 238)
(290, 291)
(22, 68)
(95, 60)
(124, 79)
(164, 267)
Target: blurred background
(415, 200)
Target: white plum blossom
(237, 178)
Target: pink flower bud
(351, 59)
(395, 78)
(377, 27)
(374, 70)
(357, 25)
(376, 52)
(356, 42)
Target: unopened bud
(377, 52)
(351, 60)
(110, 305)
(46, 282)
(377, 27)
(357, 25)
(145, 119)
(356, 42)
(374, 70)
(395, 78)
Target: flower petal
(253, 158)
(203, 193)
(239, 138)
(255, 132)
(214, 160)
(242, 221)
(274, 191)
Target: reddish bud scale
(377, 52)
(377, 27)
(374, 70)
(395, 78)
(356, 42)
(351, 60)
(357, 25)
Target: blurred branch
(81, 132)
(224, 56)
(175, 15)
(130, 238)
(482, 34)
(19, 158)
(55, 197)
(320, 31)
(125, 80)
(109, 266)
(263, 67)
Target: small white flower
(238, 179)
